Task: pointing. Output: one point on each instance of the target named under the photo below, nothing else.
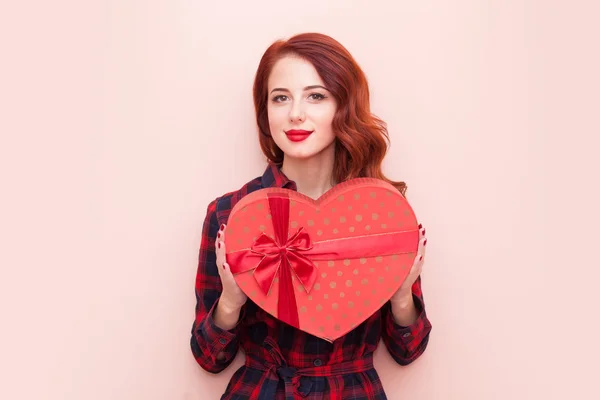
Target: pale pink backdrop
(121, 121)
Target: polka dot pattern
(347, 291)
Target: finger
(219, 246)
(417, 262)
(220, 250)
(228, 279)
(221, 233)
(227, 274)
(219, 261)
(422, 247)
(420, 253)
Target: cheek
(325, 116)
(277, 116)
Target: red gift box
(326, 265)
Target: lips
(298, 135)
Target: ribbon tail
(266, 271)
(287, 310)
(304, 268)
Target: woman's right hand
(232, 297)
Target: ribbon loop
(273, 255)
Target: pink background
(118, 122)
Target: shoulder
(218, 210)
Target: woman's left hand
(405, 291)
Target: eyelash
(319, 97)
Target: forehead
(293, 73)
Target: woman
(316, 129)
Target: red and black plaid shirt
(283, 362)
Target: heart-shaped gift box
(326, 265)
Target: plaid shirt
(283, 362)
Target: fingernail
(222, 226)
(223, 266)
(420, 258)
(423, 231)
(425, 242)
(219, 244)
(420, 226)
(219, 235)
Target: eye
(316, 96)
(279, 98)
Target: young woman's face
(300, 109)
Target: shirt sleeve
(407, 343)
(213, 348)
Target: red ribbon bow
(284, 257)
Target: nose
(297, 112)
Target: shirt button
(318, 362)
(222, 340)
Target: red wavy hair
(361, 138)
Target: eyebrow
(306, 88)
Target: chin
(304, 154)
(300, 155)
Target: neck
(313, 176)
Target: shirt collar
(274, 177)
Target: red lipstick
(297, 135)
